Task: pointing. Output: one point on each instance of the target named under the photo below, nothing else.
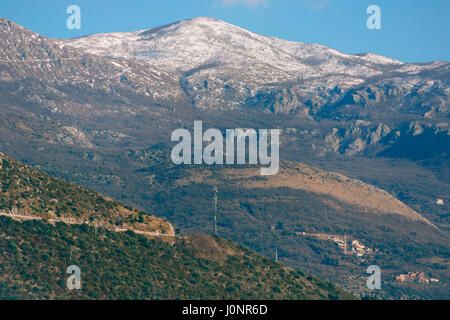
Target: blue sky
(411, 30)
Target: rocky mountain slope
(221, 67)
(357, 104)
(62, 80)
(213, 65)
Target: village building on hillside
(415, 276)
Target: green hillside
(29, 192)
(35, 254)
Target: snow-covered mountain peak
(211, 43)
(219, 64)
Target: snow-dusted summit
(203, 41)
(221, 65)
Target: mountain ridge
(223, 67)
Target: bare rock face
(356, 138)
(72, 136)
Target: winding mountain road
(74, 221)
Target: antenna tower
(215, 210)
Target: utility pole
(95, 225)
(345, 244)
(215, 210)
(276, 255)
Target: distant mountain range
(211, 65)
(99, 110)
